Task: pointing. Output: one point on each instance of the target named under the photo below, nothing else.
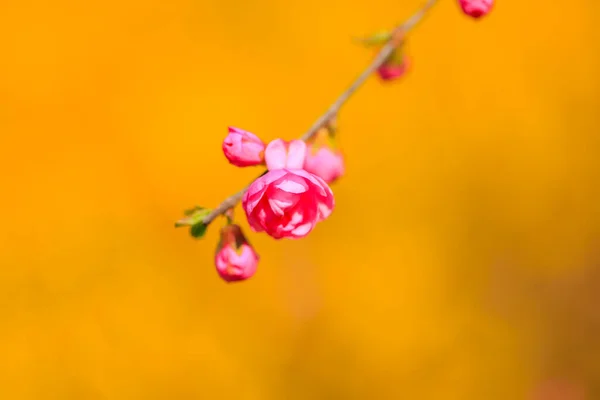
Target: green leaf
(378, 38)
(193, 218)
(188, 221)
(198, 230)
(193, 210)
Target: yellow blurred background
(462, 260)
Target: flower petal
(296, 154)
(317, 182)
(303, 230)
(276, 207)
(276, 154)
(291, 185)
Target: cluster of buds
(397, 64)
(293, 195)
(287, 201)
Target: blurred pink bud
(243, 149)
(391, 70)
(323, 159)
(280, 154)
(235, 259)
(326, 163)
(476, 8)
(287, 203)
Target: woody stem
(381, 57)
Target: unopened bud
(393, 69)
(243, 149)
(235, 258)
(323, 158)
(476, 8)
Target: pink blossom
(243, 149)
(280, 154)
(287, 203)
(235, 259)
(476, 8)
(391, 71)
(326, 163)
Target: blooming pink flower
(390, 71)
(243, 149)
(287, 203)
(235, 259)
(280, 154)
(476, 8)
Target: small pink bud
(326, 163)
(235, 259)
(323, 158)
(243, 149)
(280, 154)
(287, 203)
(476, 8)
(391, 70)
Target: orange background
(462, 259)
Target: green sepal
(198, 230)
(191, 211)
(397, 57)
(377, 39)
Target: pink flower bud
(287, 203)
(323, 159)
(243, 149)
(476, 8)
(392, 70)
(235, 259)
(281, 154)
(326, 163)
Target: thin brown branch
(377, 62)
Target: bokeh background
(462, 260)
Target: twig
(381, 57)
